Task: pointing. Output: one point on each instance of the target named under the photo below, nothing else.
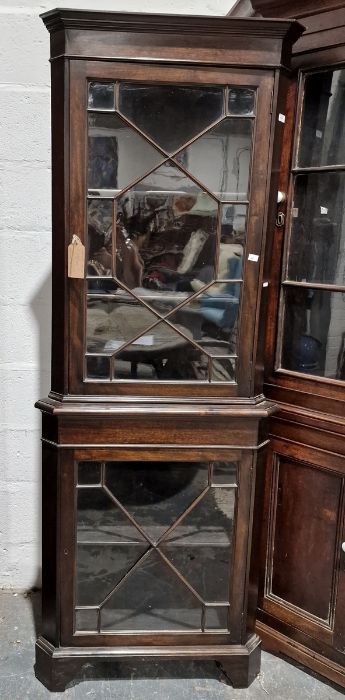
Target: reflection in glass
(166, 526)
(166, 234)
(117, 153)
(233, 237)
(224, 473)
(170, 354)
(98, 367)
(228, 147)
(223, 369)
(206, 568)
(317, 243)
(101, 520)
(101, 566)
(217, 617)
(170, 114)
(209, 522)
(86, 620)
(89, 473)
(156, 493)
(101, 95)
(110, 324)
(100, 226)
(164, 351)
(152, 598)
(241, 101)
(314, 332)
(100, 285)
(322, 140)
(210, 318)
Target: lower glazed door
(155, 551)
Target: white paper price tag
(281, 118)
(252, 257)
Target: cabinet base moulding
(56, 667)
(278, 643)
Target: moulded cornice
(60, 19)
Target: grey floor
(19, 620)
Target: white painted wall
(25, 252)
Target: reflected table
(108, 332)
(160, 343)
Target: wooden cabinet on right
(301, 610)
(302, 596)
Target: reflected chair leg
(134, 370)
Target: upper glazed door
(168, 175)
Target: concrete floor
(19, 618)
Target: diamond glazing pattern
(154, 545)
(168, 179)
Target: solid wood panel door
(304, 500)
(339, 622)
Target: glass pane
(322, 140)
(241, 101)
(170, 114)
(228, 147)
(225, 473)
(206, 568)
(101, 95)
(210, 522)
(100, 226)
(89, 473)
(100, 567)
(217, 617)
(314, 332)
(317, 244)
(112, 323)
(86, 620)
(170, 355)
(211, 317)
(233, 236)
(138, 585)
(98, 367)
(223, 369)
(117, 153)
(100, 285)
(156, 493)
(100, 520)
(151, 598)
(166, 235)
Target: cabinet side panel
(50, 507)
(60, 128)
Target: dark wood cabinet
(302, 592)
(165, 132)
(302, 585)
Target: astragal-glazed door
(168, 180)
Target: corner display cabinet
(165, 132)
